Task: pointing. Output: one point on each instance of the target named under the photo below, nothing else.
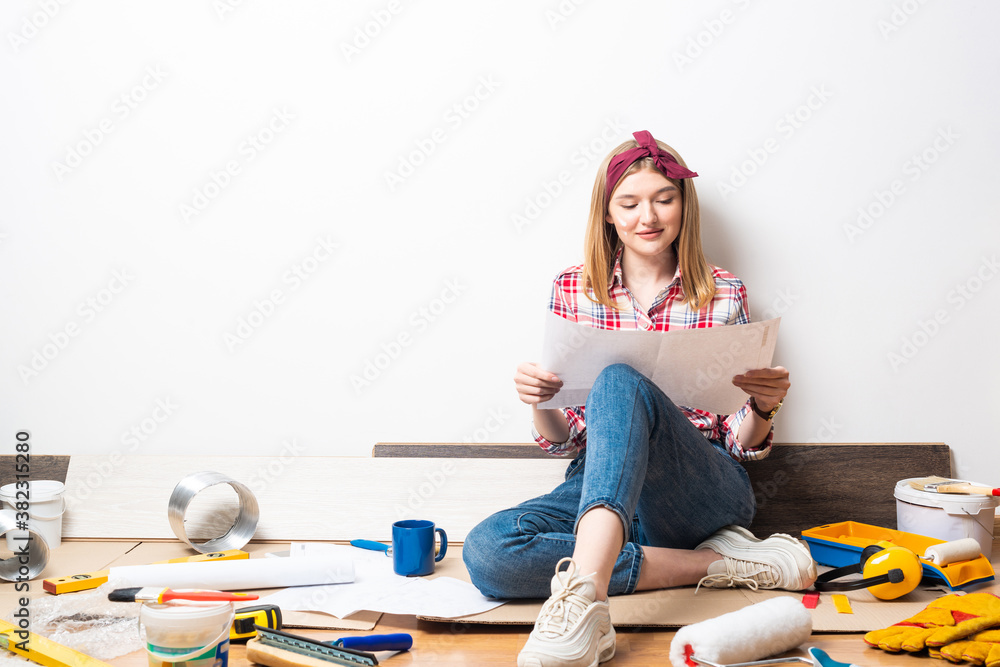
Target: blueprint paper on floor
(377, 588)
(694, 367)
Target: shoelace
(562, 611)
(741, 572)
(563, 608)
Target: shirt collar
(618, 280)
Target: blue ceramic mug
(413, 547)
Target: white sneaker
(572, 630)
(780, 561)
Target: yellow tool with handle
(89, 580)
(42, 650)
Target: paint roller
(760, 630)
(945, 553)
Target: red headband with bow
(647, 147)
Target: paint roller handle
(754, 663)
(965, 487)
(399, 641)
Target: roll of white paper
(234, 575)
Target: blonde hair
(602, 242)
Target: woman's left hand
(767, 386)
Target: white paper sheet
(377, 588)
(694, 367)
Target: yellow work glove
(943, 621)
(982, 648)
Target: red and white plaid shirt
(669, 311)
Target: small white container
(946, 516)
(45, 504)
(196, 635)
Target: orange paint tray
(839, 544)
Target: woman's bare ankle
(668, 568)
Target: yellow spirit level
(88, 580)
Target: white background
(118, 115)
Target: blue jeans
(646, 462)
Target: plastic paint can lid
(952, 503)
(40, 490)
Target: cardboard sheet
(676, 607)
(666, 608)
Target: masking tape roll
(238, 534)
(951, 552)
(27, 562)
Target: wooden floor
(489, 645)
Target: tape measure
(265, 615)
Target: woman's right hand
(534, 385)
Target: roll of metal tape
(32, 562)
(238, 534)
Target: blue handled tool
(372, 546)
(399, 641)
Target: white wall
(144, 105)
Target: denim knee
(513, 553)
(617, 374)
(482, 552)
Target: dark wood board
(798, 486)
(39, 467)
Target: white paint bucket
(946, 516)
(44, 503)
(195, 634)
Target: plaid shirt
(669, 311)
